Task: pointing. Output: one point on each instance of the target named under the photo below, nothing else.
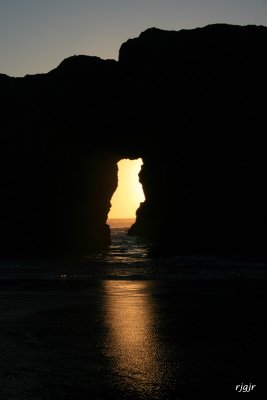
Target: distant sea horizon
(120, 222)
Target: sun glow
(129, 193)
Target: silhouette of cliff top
(81, 64)
(156, 43)
(4, 77)
(191, 103)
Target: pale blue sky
(36, 35)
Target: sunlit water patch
(129, 258)
(139, 358)
(126, 249)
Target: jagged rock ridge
(191, 103)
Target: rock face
(191, 103)
(56, 181)
(203, 108)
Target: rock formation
(191, 103)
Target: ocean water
(125, 325)
(131, 258)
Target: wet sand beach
(123, 339)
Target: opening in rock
(128, 196)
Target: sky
(36, 35)
(129, 193)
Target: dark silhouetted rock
(203, 95)
(191, 103)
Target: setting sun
(129, 193)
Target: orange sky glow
(129, 193)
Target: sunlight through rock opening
(129, 193)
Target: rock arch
(190, 103)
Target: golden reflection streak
(132, 342)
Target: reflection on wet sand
(132, 339)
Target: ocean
(130, 257)
(123, 324)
